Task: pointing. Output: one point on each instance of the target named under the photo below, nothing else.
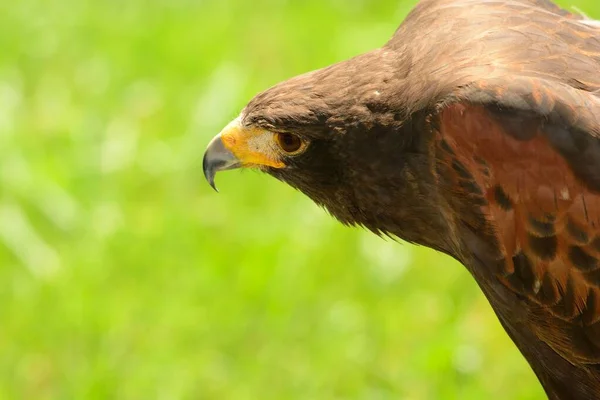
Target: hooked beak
(218, 158)
(238, 146)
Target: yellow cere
(253, 147)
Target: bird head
(338, 134)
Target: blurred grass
(125, 277)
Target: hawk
(475, 131)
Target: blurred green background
(124, 276)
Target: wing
(517, 142)
(520, 165)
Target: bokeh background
(124, 276)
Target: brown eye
(288, 142)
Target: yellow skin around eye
(253, 147)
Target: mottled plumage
(475, 131)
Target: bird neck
(395, 190)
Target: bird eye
(288, 142)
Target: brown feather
(475, 131)
(541, 215)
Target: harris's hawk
(475, 131)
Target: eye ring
(289, 143)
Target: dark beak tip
(211, 182)
(217, 158)
(209, 172)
